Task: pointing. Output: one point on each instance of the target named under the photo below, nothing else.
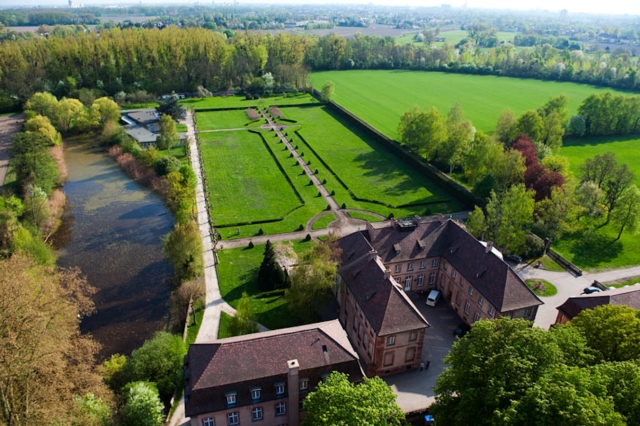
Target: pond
(112, 230)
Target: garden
(242, 102)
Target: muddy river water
(112, 231)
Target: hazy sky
(631, 7)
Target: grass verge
(365, 216)
(542, 288)
(194, 327)
(225, 323)
(323, 221)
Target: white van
(434, 296)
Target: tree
(622, 382)
(143, 406)
(244, 321)
(92, 411)
(159, 360)
(505, 127)
(328, 89)
(168, 134)
(172, 108)
(508, 216)
(422, 131)
(183, 247)
(46, 362)
(43, 103)
(589, 196)
(104, 110)
(313, 278)
(33, 163)
(36, 204)
(41, 125)
(508, 168)
(478, 159)
(11, 208)
(166, 165)
(460, 133)
(490, 368)
(531, 124)
(627, 215)
(68, 112)
(552, 131)
(484, 186)
(556, 105)
(612, 331)
(337, 401)
(270, 276)
(557, 214)
(477, 223)
(577, 125)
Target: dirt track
(8, 126)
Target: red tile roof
(628, 296)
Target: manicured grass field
(245, 183)
(367, 169)
(364, 216)
(215, 120)
(599, 251)
(626, 149)
(323, 221)
(240, 101)
(380, 97)
(238, 273)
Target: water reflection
(111, 230)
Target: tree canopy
(339, 402)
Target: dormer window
(421, 245)
(255, 394)
(396, 248)
(279, 389)
(231, 398)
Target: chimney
(489, 247)
(373, 254)
(294, 392)
(387, 274)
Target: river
(111, 230)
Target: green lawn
(619, 284)
(365, 216)
(240, 101)
(194, 327)
(626, 149)
(223, 328)
(549, 289)
(178, 152)
(238, 273)
(380, 97)
(368, 170)
(140, 105)
(215, 120)
(245, 183)
(181, 128)
(323, 221)
(599, 251)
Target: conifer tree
(270, 276)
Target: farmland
(381, 97)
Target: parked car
(462, 329)
(514, 258)
(433, 297)
(589, 290)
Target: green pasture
(238, 273)
(380, 97)
(240, 101)
(626, 149)
(367, 169)
(216, 120)
(245, 183)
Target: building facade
(264, 377)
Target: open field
(238, 273)
(453, 37)
(626, 149)
(369, 171)
(238, 163)
(215, 120)
(380, 97)
(240, 101)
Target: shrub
(391, 216)
(300, 228)
(165, 165)
(250, 244)
(142, 403)
(316, 172)
(302, 154)
(290, 155)
(333, 192)
(533, 247)
(308, 162)
(328, 207)
(296, 145)
(183, 247)
(310, 182)
(260, 231)
(308, 237)
(319, 194)
(344, 206)
(303, 172)
(324, 181)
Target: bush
(300, 228)
(324, 181)
(260, 231)
(291, 155)
(328, 207)
(143, 406)
(250, 244)
(319, 194)
(391, 216)
(296, 147)
(310, 182)
(165, 165)
(316, 172)
(303, 172)
(308, 237)
(333, 192)
(302, 154)
(308, 162)
(344, 206)
(183, 247)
